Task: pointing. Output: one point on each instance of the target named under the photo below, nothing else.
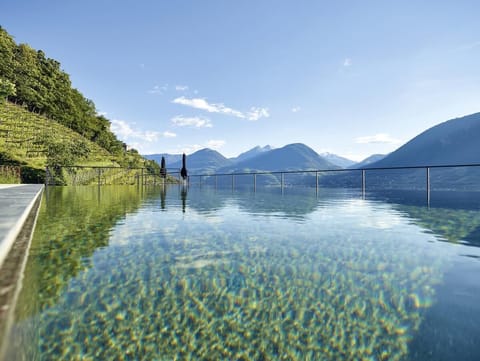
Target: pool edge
(13, 265)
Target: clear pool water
(124, 273)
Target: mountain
(203, 161)
(251, 153)
(295, 156)
(169, 158)
(367, 161)
(337, 160)
(455, 141)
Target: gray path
(15, 204)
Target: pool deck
(19, 206)
(16, 203)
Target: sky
(348, 77)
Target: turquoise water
(122, 273)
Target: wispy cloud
(158, 89)
(196, 122)
(347, 62)
(295, 109)
(181, 88)
(257, 113)
(383, 138)
(102, 114)
(168, 134)
(127, 133)
(202, 104)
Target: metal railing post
(316, 182)
(363, 183)
(428, 186)
(233, 182)
(216, 181)
(282, 181)
(254, 182)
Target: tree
(7, 89)
(163, 169)
(7, 55)
(183, 171)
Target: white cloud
(202, 104)
(197, 122)
(127, 133)
(347, 62)
(157, 89)
(295, 109)
(377, 138)
(257, 113)
(102, 114)
(168, 134)
(181, 87)
(215, 144)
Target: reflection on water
(170, 273)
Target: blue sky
(348, 77)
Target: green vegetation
(51, 124)
(35, 142)
(9, 174)
(29, 78)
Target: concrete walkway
(16, 202)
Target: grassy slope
(25, 138)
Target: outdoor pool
(127, 273)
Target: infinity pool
(126, 273)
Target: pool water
(127, 273)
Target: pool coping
(15, 226)
(15, 244)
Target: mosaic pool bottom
(176, 274)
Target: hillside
(203, 161)
(367, 161)
(295, 156)
(455, 141)
(28, 77)
(169, 158)
(251, 153)
(337, 160)
(34, 142)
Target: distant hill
(169, 158)
(295, 156)
(251, 153)
(337, 160)
(455, 141)
(203, 161)
(367, 161)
